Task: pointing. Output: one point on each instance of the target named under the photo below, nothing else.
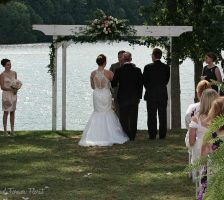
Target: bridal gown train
(103, 127)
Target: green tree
(15, 20)
(44, 8)
(4, 1)
(80, 7)
(206, 17)
(62, 12)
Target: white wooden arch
(68, 30)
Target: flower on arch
(108, 28)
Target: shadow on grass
(136, 170)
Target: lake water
(34, 99)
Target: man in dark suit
(113, 68)
(156, 76)
(130, 81)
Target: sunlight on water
(34, 99)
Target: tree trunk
(198, 66)
(175, 89)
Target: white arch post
(68, 30)
(64, 78)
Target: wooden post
(64, 55)
(54, 90)
(169, 103)
(64, 78)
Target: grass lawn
(51, 166)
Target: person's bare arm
(192, 136)
(218, 74)
(92, 82)
(205, 148)
(192, 133)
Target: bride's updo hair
(101, 59)
(4, 61)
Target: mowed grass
(51, 166)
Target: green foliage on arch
(102, 28)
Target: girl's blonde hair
(217, 108)
(201, 86)
(207, 97)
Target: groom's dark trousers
(130, 81)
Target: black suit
(156, 76)
(130, 80)
(113, 68)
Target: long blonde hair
(207, 97)
(217, 109)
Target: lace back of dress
(100, 81)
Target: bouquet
(108, 28)
(16, 84)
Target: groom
(130, 81)
(156, 77)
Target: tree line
(17, 16)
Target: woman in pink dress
(9, 95)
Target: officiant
(114, 90)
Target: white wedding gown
(103, 127)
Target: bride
(103, 127)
